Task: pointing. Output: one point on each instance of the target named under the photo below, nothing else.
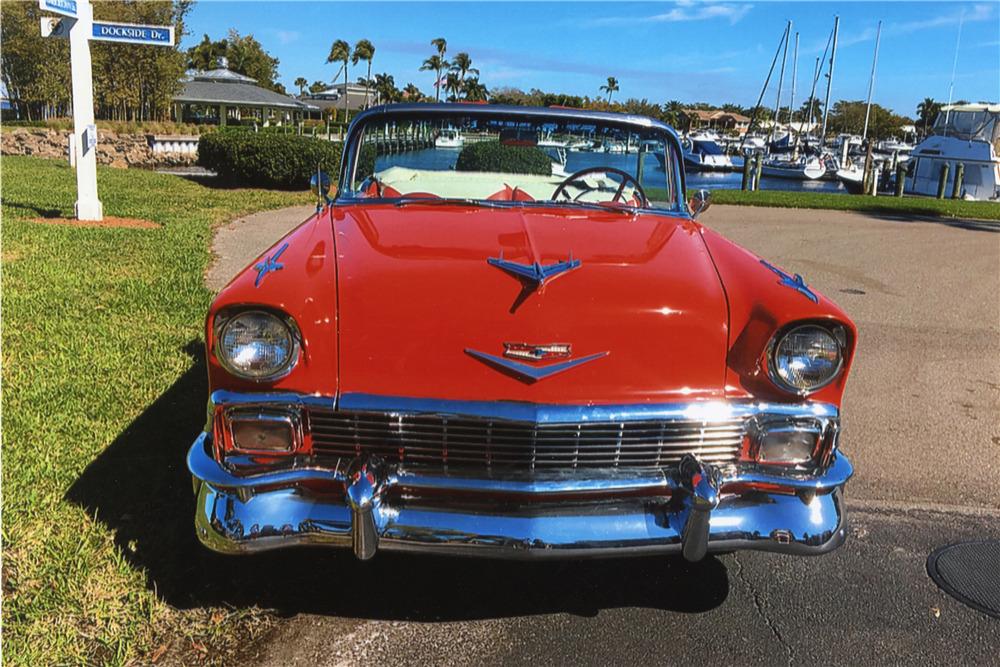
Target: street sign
(53, 27)
(81, 28)
(130, 33)
(64, 7)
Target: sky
(691, 51)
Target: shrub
(494, 156)
(267, 160)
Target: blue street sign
(64, 7)
(130, 33)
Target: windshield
(511, 159)
(967, 125)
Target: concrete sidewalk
(243, 240)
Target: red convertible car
(504, 334)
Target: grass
(103, 383)
(922, 206)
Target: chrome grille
(460, 442)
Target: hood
(429, 295)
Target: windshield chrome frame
(352, 143)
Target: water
(441, 159)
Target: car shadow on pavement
(140, 489)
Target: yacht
(967, 134)
(704, 154)
(449, 138)
(791, 165)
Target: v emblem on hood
(536, 274)
(526, 373)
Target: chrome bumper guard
(395, 508)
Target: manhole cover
(970, 573)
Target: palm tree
(412, 93)
(385, 87)
(927, 111)
(611, 87)
(453, 85)
(474, 90)
(441, 44)
(302, 82)
(461, 64)
(364, 50)
(672, 111)
(340, 52)
(436, 64)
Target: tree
(412, 94)
(301, 84)
(441, 44)
(364, 50)
(849, 117)
(385, 88)
(817, 110)
(317, 87)
(244, 55)
(927, 111)
(453, 85)
(435, 63)
(672, 111)
(610, 87)
(474, 90)
(340, 52)
(462, 65)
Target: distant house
(222, 96)
(701, 119)
(333, 98)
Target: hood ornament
(542, 352)
(535, 274)
(269, 265)
(797, 283)
(527, 373)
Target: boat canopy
(969, 122)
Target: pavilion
(222, 96)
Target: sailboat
(851, 172)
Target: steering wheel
(625, 176)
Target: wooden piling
(956, 190)
(900, 179)
(747, 164)
(943, 180)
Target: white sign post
(80, 26)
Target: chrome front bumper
(690, 510)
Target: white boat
(967, 134)
(449, 138)
(802, 168)
(893, 145)
(702, 154)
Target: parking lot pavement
(868, 603)
(921, 424)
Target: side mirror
(320, 186)
(699, 203)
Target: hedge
(267, 160)
(497, 157)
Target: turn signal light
(264, 431)
(787, 442)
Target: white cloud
(973, 14)
(287, 36)
(683, 11)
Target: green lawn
(103, 383)
(923, 206)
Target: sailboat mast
(791, 99)
(829, 79)
(871, 81)
(781, 79)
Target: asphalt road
(921, 424)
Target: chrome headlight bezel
(223, 321)
(836, 332)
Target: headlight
(257, 345)
(805, 359)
